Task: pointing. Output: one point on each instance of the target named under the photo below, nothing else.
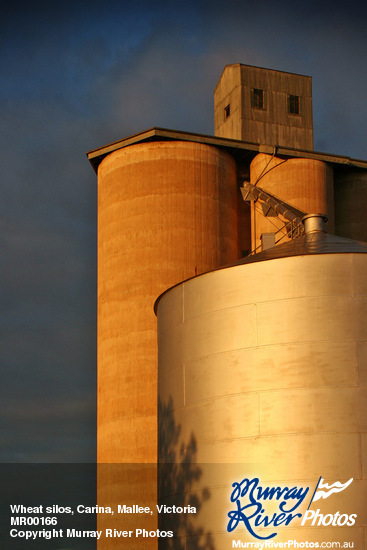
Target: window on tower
(294, 104)
(258, 99)
(227, 111)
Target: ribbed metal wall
(263, 370)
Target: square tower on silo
(264, 106)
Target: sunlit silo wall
(306, 184)
(350, 204)
(158, 203)
(263, 372)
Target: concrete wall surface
(306, 184)
(166, 211)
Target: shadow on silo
(178, 474)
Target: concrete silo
(262, 372)
(166, 211)
(307, 184)
(158, 203)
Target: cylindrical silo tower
(167, 210)
(306, 184)
(262, 374)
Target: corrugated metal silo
(262, 372)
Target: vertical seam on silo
(203, 204)
(360, 455)
(183, 366)
(184, 383)
(259, 413)
(220, 236)
(354, 295)
(258, 395)
(357, 362)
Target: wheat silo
(235, 344)
(158, 202)
(305, 183)
(262, 372)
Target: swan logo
(323, 490)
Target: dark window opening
(258, 99)
(294, 104)
(227, 111)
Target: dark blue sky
(76, 76)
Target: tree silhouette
(177, 474)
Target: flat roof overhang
(242, 151)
